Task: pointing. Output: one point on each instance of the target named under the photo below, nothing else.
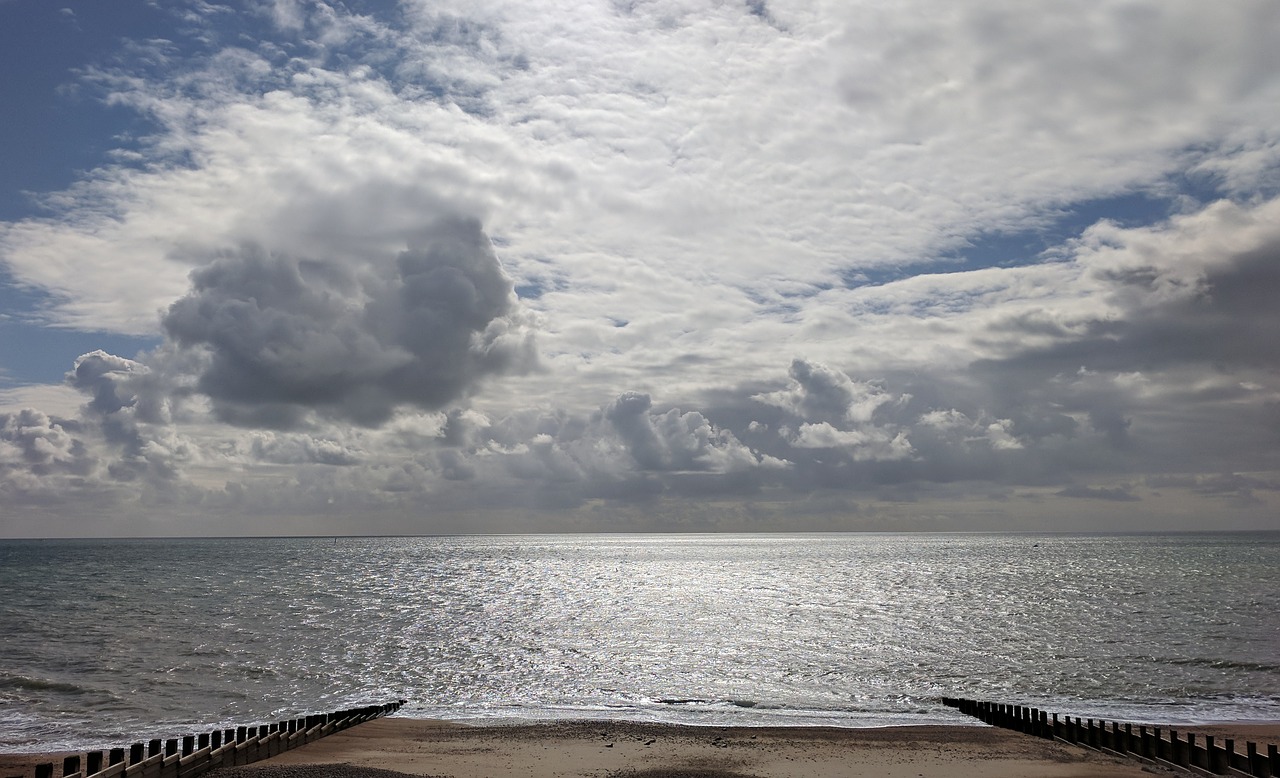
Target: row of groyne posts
(1144, 743)
(192, 755)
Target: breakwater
(192, 755)
(1198, 754)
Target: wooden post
(71, 765)
(117, 756)
(137, 753)
(202, 742)
(93, 763)
(188, 745)
(215, 739)
(44, 770)
(242, 734)
(153, 747)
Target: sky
(419, 267)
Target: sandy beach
(600, 749)
(633, 750)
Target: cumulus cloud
(41, 445)
(107, 378)
(285, 336)
(818, 392)
(675, 440)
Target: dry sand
(632, 750)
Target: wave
(1223, 664)
(27, 683)
(738, 703)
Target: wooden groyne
(191, 755)
(1200, 755)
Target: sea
(105, 642)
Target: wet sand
(634, 750)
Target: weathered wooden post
(171, 746)
(242, 734)
(188, 745)
(44, 770)
(137, 752)
(215, 739)
(71, 765)
(93, 763)
(153, 747)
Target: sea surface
(103, 642)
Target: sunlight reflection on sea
(103, 640)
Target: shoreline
(594, 748)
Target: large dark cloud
(1176, 377)
(286, 336)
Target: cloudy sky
(420, 266)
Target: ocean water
(106, 641)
